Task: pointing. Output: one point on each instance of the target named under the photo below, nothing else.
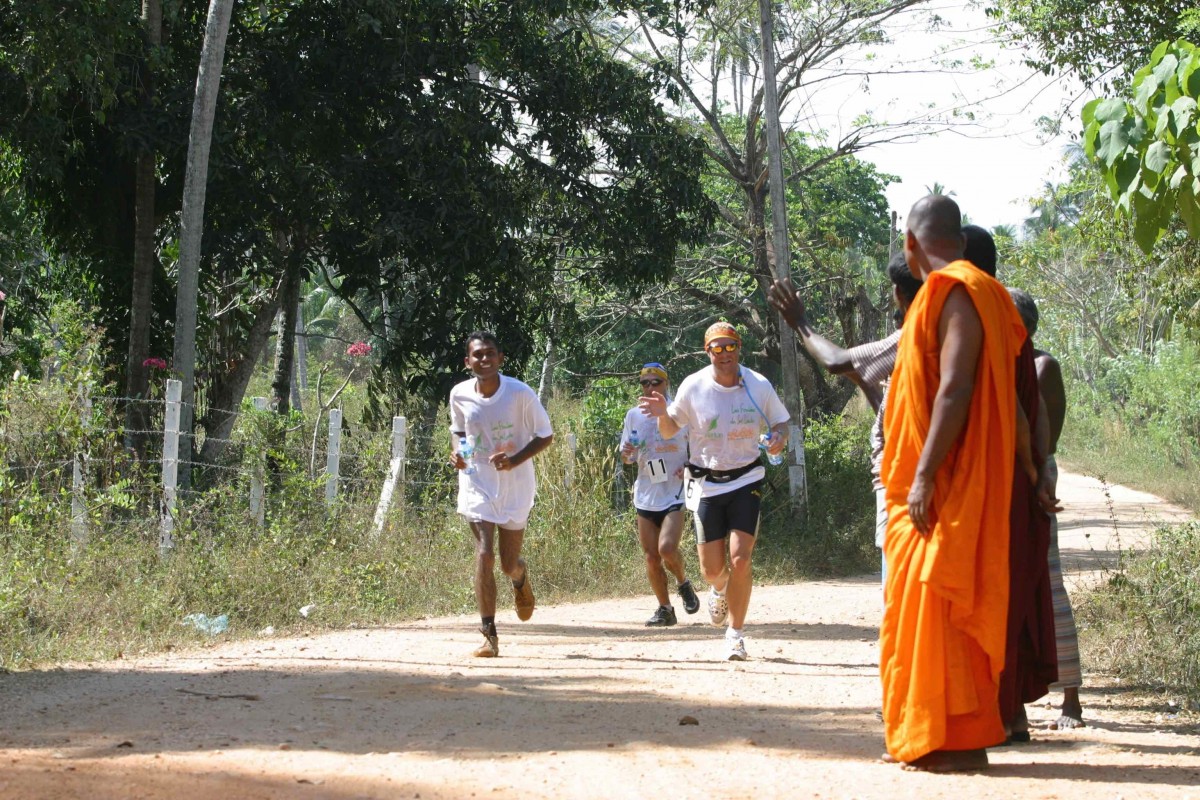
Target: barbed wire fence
(79, 475)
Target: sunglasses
(723, 348)
(651, 382)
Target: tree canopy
(1149, 147)
(443, 159)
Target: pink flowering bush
(155, 363)
(358, 350)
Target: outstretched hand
(784, 298)
(653, 404)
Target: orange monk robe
(944, 629)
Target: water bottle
(775, 459)
(466, 449)
(635, 441)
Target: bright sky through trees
(994, 163)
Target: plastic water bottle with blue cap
(635, 441)
(466, 449)
(764, 442)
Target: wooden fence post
(170, 469)
(258, 508)
(395, 475)
(333, 455)
(572, 448)
(79, 520)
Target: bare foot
(1072, 712)
(949, 761)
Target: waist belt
(720, 475)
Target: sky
(993, 166)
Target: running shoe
(523, 596)
(664, 617)
(737, 648)
(491, 645)
(718, 609)
(691, 603)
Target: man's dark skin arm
(1054, 395)
(1054, 403)
(503, 461)
(960, 334)
(785, 299)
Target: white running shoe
(718, 609)
(737, 648)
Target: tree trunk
(195, 185)
(789, 361)
(145, 259)
(546, 383)
(300, 356)
(227, 389)
(285, 344)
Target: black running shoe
(691, 603)
(664, 617)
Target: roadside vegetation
(115, 594)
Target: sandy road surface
(583, 703)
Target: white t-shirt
(656, 456)
(724, 423)
(502, 423)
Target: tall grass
(1143, 624)
(1138, 424)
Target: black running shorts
(656, 517)
(736, 510)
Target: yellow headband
(656, 371)
(721, 330)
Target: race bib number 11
(657, 469)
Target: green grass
(1143, 623)
(1108, 448)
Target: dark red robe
(1031, 656)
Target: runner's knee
(740, 564)
(486, 559)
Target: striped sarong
(1070, 675)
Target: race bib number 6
(691, 492)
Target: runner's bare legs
(737, 590)
(734, 583)
(661, 547)
(511, 563)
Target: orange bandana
(721, 330)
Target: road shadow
(1095, 773)
(88, 713)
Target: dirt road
(584, 703)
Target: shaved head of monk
(934, 237)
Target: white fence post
(395, 472)
(79, 520)
(258, 509)
(798, 470)
(620, 494)
(572, 447)
(170, 470)
(333, 455)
